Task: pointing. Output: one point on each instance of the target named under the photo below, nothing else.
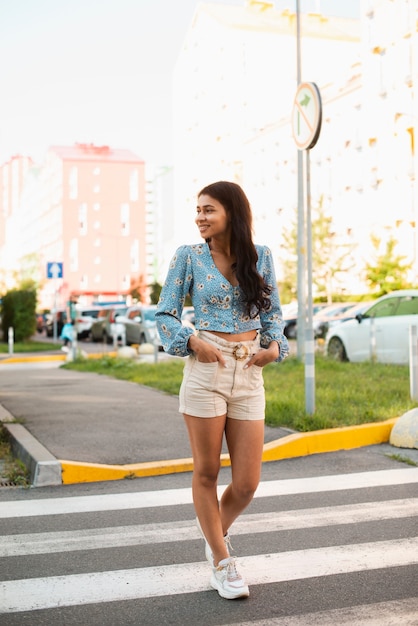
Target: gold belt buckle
(240, 352)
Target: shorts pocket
(255, 377)
(202, 375)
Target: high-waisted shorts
(211, 390)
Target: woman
(239, 328)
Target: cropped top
(218, 305)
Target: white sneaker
(227, 581)
(208, 551)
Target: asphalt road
(329, 538)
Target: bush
(18, 312)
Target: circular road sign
(306, 116)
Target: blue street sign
(54, 270)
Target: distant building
(12, 179)
(85, 208)
(234, 79)
(234, 85)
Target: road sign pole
(309, 333)
(306, 124)
(55, 312)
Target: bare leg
(205, 436)
(245, 441)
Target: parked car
(107, 324)
(381, 332)
(321, 318)
(349, 314)
(40, 322)
(61, 318)
(290, 316)
(140, 325)
(85, 316)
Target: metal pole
(54, 318)
(301, 264)
(413, 362)
(310, 340)
(10, 336)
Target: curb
(295, 445)
(46, 470)
(42, 358)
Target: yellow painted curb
(329, 440)
(299, 444)
(50, 357)
(29, 359)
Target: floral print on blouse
(219, 306)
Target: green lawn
(345, 393)
(29, 346)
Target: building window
(96, 206)
(96, 225)
(124, 218)
(73, 183)
(133, 185)
(74, 255)
(96, 189)
(125, 281)
(97, 260)
(96, 171)
(97, 278)
(135, 256)
(97, 242)
(84, 281)
(82, 218)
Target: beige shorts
(211, 390)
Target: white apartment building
(235, 78)
(234, 87)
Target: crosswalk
(100, 559)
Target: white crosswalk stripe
(92, 539)
(67, 589)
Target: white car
(380, 333)
(85, 317)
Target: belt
(240, 352)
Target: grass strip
(29, 346)
(346, 394)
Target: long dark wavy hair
(236, 204)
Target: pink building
(85, 208)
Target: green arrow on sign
(305, 101)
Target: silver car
(108, 324)
(140, 325)
(380, 333)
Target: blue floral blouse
(219, 306)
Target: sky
(98, 71)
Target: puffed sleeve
(174, 336)
(272, 324)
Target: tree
(388, 271)
(18, 312)
(329, 260)
(155, 290)
(138, 288)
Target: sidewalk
(83, 427)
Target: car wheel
(290, 331)
(336, 349)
